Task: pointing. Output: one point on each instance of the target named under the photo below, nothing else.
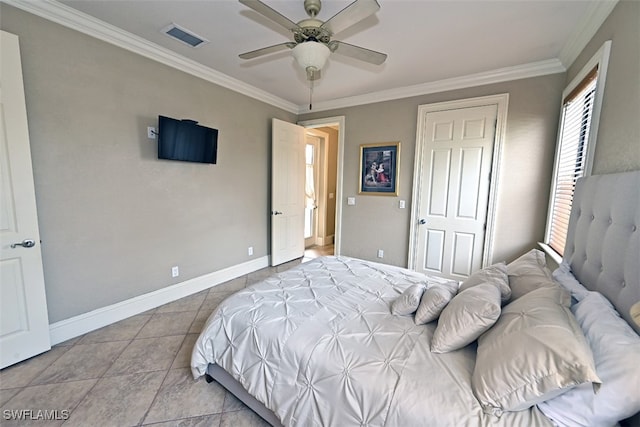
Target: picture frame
(379, 169)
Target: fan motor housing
(311, 28)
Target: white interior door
(287, 192)
(454, 191)
(24, 323)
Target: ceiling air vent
(185, 36)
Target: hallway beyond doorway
(317, 251)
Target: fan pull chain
(310, 94)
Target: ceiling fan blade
(357, 52)
(267, 50)
(270, 13)
(350, 15)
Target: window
(576, 143)
(577, 112)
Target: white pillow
(616, 350)
(408, 301)
(527, 273)
(534, 352)
(433, 301)
(496, 274)
(466, 317)
(565, 277)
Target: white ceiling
(426, 41)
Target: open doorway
(321, 187)
(312, 190)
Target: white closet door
(455, 192)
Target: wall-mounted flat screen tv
(186, 140)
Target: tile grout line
(135, 337)
(102, 376)
(83, 398)
(29, 384)
(197, 311)
(155, 397)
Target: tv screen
(186, 140)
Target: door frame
(340, 121)
(321, 184)
(318, 188)
(502, 102)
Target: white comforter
(319, 347)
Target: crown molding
(79, 21)
(534, 69)
(595, 15)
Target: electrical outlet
(175, 271)
(151, 132)
(380, 253)
(250, 250)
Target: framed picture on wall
(379, 167)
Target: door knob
(422, 221)
(276, 213)
(27, 243)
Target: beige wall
(618, 143)
(113, 218)
(376, 222)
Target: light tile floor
(134, 372)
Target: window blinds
(574, 136)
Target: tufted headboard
(603, 240)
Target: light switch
(331, 195)
(402, 204)
(351, 201)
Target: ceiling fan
(312, 43)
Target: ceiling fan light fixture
(311, 55)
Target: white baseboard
(78, 325)
(323, 241)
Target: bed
(326, 344)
